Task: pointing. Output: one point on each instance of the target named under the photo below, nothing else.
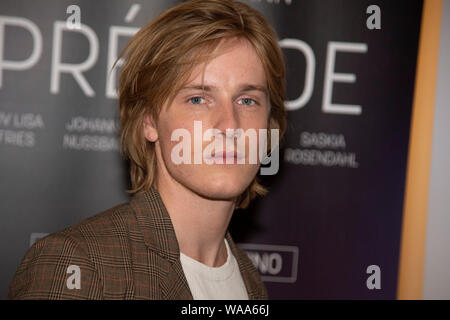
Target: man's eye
(248, 101)
(197, 100)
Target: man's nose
(227, 116)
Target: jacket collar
(159, 236)
(155, 223)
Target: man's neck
(200, 224)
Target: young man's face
(230, 101)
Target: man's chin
(213, 183)
(219, 193)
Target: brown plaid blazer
(127, 252)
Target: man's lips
(232, 155)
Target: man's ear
(150, 131)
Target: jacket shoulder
(102, 225)
(51, 265)
(46, 268)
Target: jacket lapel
(159, 236)
(252, 280)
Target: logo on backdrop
(35, 236)
(275, 263)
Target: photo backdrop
(332, 219)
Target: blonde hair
(158, 61)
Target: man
(213, 63)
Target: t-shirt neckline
(222, 272)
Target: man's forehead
(206, 56)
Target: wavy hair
(158, 61)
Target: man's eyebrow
(243, 88)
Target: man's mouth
(227, 157)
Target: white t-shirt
(209, 283)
